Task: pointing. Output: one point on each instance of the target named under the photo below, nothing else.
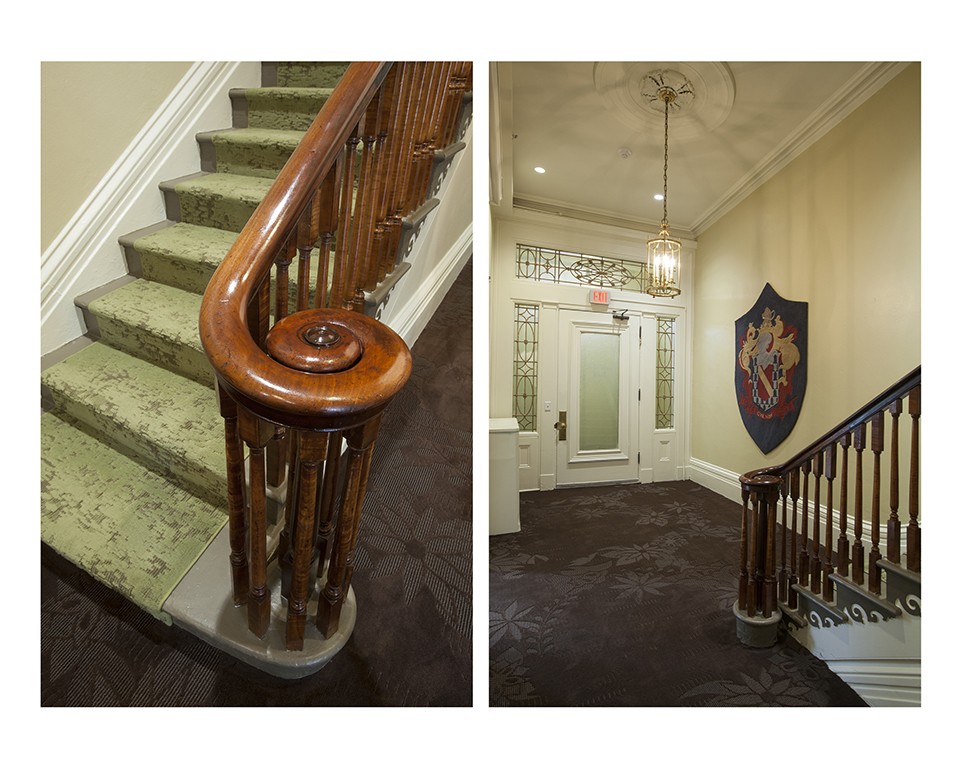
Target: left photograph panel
(256, 384)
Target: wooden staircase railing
(293, 385)
(808, 556)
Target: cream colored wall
(839, 228)
(90, 113)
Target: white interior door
(597, 426)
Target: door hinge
(638, 393)
(638, 457)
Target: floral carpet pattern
(623, 596)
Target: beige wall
(839, 228)
(90, 112)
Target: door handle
(561, 426)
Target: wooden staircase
(823, 545)
(134, 476)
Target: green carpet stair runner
(132, 458)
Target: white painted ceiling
(744, 122)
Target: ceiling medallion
(705, 95)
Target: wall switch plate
(546, 405)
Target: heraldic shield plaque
(771, 369)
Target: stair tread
(133, 530)
(254, 151)
(169, 422)
(221, 200)
(157, 323)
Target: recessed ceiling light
(658, 197)
(538, 169)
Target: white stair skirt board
(203, 605)
(86, 254)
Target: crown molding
(870, 79)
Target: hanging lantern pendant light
(663, 251)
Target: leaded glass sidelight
(548, 265)
(666, 338)
(526, 330)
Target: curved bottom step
(203, 605)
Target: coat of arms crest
(771, 369)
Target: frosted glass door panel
(599, 391)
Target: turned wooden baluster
(769, 503)
(365, 207)
(341, 263)
(876, 445)
(458, 84)
(390, 225)
(913, 527)
(256, 434)
(328, 207)
(804, 539)
(743, 587)
(236, 504)
(360, 442)
(313, 448)
(893, 524)
(327, 499)
(859, 443)
(815, 564)
(843, 544)
(783, 574)
(794, 495)
(830, 472)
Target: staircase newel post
(755, 630)
(913, 527)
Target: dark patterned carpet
(623, 596)
(412, 644)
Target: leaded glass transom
(549, 265)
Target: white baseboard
(410, 318)
(86, 254)
(716, 479)
(882, 682)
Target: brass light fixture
(663, 251)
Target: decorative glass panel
(599, 391)
(526, 328)
(666, 327)
(552, 266)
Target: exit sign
(599, 297)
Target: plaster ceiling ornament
(705, 95)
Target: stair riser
(306, 74)
(172, 354)
(285, 111)
(124, 438)
(203, 208)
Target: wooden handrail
(863, 415)
(255, 380)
